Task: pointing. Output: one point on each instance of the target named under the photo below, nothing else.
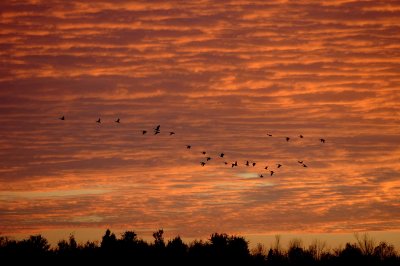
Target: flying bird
(287, 138)
(62, 118)
(117, 121)
(203, 152)
(221, 155)
(247, 163)
(301, 136)
(272, 172)
(98, 121)
(322, 140)
(300, 162)
(278, 165)
(261, 176)
(269, 135)
(203, 163)
(144, 132)
(208, 158)
(225, 162)
(188, 146)
(235, 164)
(171, 133)
(157, 130)
(266, 167)
(254, 164)
(304, 165)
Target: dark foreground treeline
(219, 249)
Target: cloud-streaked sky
(221, 75)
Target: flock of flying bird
(157, 131)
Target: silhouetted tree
(317, 249)
(176, 246)
(67, 247)
(159, 238)
(350, 255)
(297, 255)
(108, 241)
(365, 243)
(259, 254)
(177, 251)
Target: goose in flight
(322, 140)
(157, 130)
(247, 163)
(269, 135)
(171, 133)
(304, 165)
(235, 164)
(188, 146)
(221, 155)
(301, 136)
(300, 162)
(225, 163)
(203, 152)
(98, 121)
(117, 121)
(266, 167)
(261, 176)
(144, 132)
(62, 118)
(203, 163)
(278, 165)
(254, 164)
(208, 158)
(272, 173)
(287, 138)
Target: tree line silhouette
(219, 249)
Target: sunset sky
(221, 75)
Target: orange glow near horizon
(221, 75)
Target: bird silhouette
(304, 165)
(235, 164)
(300, 162)
(203, 152)
(261, 176)
(117, 121)
(62, 118)
(225, 162)
(144, 132)
(98, 121)
(322, 140)
(221, 155)
(272, 173)
(208, 158)
(266, 167)
(287, 138)
(203, 163)
(247, 163)
(278, 165)
(301, 136)
(188, 146)
(171, 133)
(157, 130)
(254, 164)
(269, 135)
